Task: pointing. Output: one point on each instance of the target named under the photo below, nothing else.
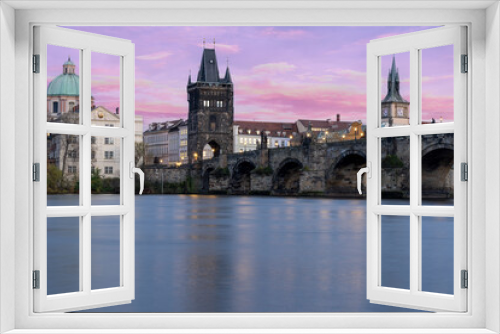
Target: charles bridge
(326, 169)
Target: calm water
(248, 254)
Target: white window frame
(413, 43)
(85, 297)
(483, 99)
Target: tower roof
(393, 94)
(227, 77)
(67, 84)
(209, 71)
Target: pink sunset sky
(279, 73)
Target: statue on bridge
(263, 140)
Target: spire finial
(227, 61)
(203, 42)
(214, 43)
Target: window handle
(367, 170)
(141, 175)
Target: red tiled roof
(325, 124)
(272, 127)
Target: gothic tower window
(213, 123)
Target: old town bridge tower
(211, 111)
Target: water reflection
(250, 254)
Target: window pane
(395, 251)
(105, 252)
(395, 176)
(437, 169)
(437, 85)
(105, 87)
(63, 169)
(437, 254)
(395, 89)
(105, 170)
(63, 255)
(63, 84)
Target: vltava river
(249, 254)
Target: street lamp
(355, 133)
(343, 137)
(195, 156)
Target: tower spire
(393, 94)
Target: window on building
(108, 154)
(108, 170)
(241, 140)
(72, 169)
(55, 107)
(213, 123)
(109, 141)
(92, 155)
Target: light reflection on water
(255, 254)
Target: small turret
(227, 77)
(69, 67)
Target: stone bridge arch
(241, 176)
(437, 171)
(286, 179)
(207, 169)
(341, 176)
(214, 146)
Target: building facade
(248, 134)
(177, 143)
(156, 143)
(211, 110)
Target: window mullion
(414, 170)
(85, 175)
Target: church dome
(67, 83)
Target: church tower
(395, 109)
(211, 111)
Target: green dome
(64, 84)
